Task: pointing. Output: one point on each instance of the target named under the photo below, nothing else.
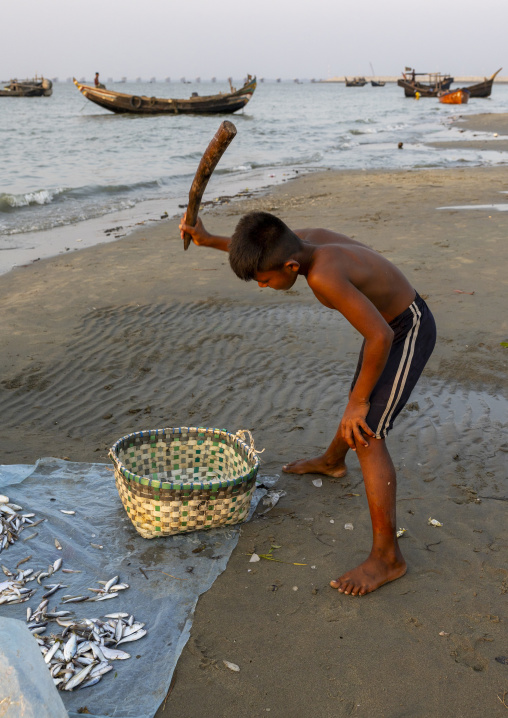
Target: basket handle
(242, 435)
(113, 458)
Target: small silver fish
(69, 513)
(133, 637)
(58, 614)
(116, 615)
(119, 628)
(101, 669)
(58, 545)
(97, 651)
(110, 583)
(36, 523)
(104, 597)
(114, 654)
(53, 589)
(78, 678)
(70, 647)
(91, 682)
(23, 560)
(30, 537)
(49, 655)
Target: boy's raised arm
(202, 237)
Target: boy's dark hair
(259, 243)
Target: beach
(138, 334)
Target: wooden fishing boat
(373, 82)
(355, 82)
(120, 102)
(484, 88)
(38, 87)
(430, 85)
(454, 97)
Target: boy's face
(279, 278)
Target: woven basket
(172, 481)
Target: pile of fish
(82, 653)
(14, 589)
(82, 650)
(12, 523)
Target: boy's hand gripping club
(208, 163)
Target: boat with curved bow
(120, 102)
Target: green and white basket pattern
(183, 479)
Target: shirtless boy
(399, 336)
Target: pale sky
(268, 38)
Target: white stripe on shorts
(405, 363)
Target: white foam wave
(43, 196)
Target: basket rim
(181, 486)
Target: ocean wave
(9, 202)
(12, 202)
(369, 131)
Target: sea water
(72, 171)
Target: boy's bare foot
(369, 575)
(318, 465)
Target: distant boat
(355, 82)
(430, 85)
(376, 83)
(454, 97)
(484, 88)
(119, 102)
(37, 87)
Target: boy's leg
(385, 562)
(331, 463)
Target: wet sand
(486, 122)
(492, 127)
(138, 334)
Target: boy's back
(340, 261)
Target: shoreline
(119, 224)
(137, 334)
(91, 232)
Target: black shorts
(413, 341)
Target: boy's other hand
(354, 426)
(198, 232)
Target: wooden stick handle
(218, 145)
